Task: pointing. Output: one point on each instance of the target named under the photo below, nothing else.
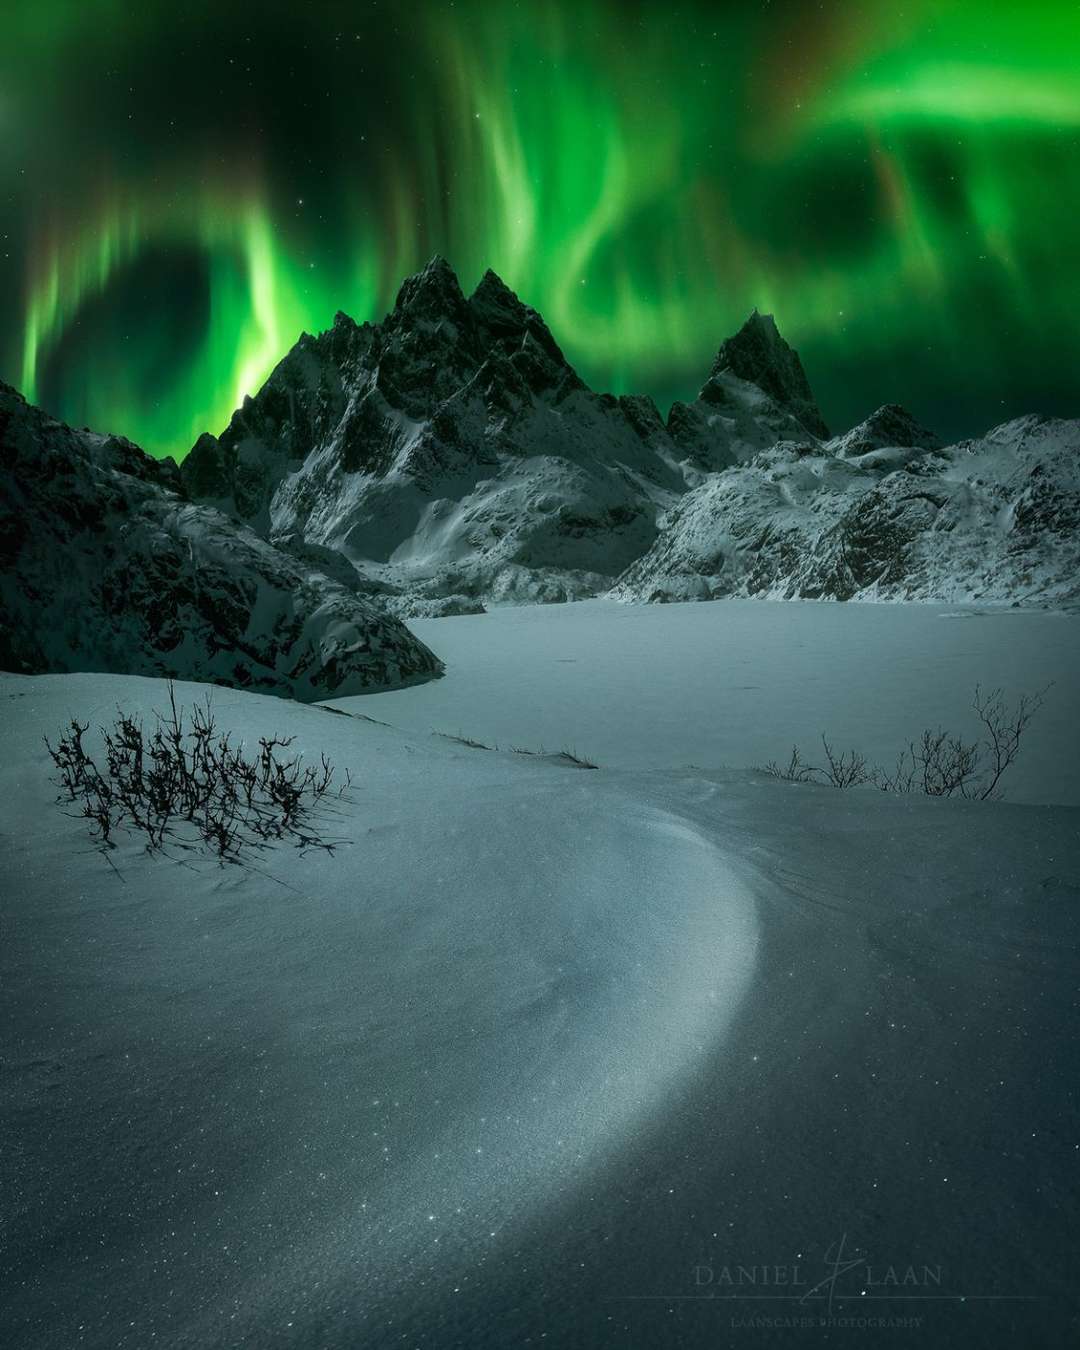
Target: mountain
(450, 456)
(453, 454)
(880, 513)
(757, 394)
(107, 566)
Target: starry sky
(185, 188)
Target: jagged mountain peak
(765, 323)
(758, 336)
(491, 289)
(503, 317)
(890, 426)
(758, 354)
(433, 292)
(497, 308)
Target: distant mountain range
(450, 457)
(453, 454)
(881, 513)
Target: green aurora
(186, 189)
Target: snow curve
(568, 1018)
(374, 1068)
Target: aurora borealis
(187, 188)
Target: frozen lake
(735, 682)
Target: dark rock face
(891, 426)
(505, 322)
(758, 355)
(452, 450)
(871, 546)
(106, 565)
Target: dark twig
(186, 777)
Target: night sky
(184, 188)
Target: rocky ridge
(453, 454)
(107, 566)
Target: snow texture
(534, 1049)
(107, 566)
(737, 682)
(881, 513)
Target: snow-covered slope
(881, 513)
(455, 458)
(452, 452)
(107, 566)
(533, 1058)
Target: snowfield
(736, 682)
(544, 1055)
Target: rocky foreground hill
(454, 457)
(105, 565)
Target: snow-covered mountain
(450, 456)
(106, 566)
(453, 456)
(452, 452)
(757, 394)
(880, 513)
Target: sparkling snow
(539, 1045)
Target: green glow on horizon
(884, 184)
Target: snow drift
(529, 1053)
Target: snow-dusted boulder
(881, 513)
(107, 566)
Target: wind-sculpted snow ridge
(881, 513)
(535, 1057)
(453, 453)
(444, 1026)
(107, 567)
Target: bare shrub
(794, 771)
(578, 760)
(187, 782)
(1004, 727)
(938, 764)
(844, 770)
